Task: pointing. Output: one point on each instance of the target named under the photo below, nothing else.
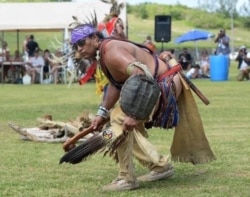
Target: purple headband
(82, 32)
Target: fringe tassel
(112, 146)
(193, 160)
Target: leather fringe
(190, 143)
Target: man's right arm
(217, 38)
(111, 96)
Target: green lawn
(31, 169)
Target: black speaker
(162, 28)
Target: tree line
(209, 14)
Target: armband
(129, 69)
(141, 66)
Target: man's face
(36, 53)
(86, 48)
(242, 51)
(222, 32)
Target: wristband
(103, 112)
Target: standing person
(149, 43)
(31, 46)
(26, 39)
(222, 40)
(112, 25)
(120, 61)
(185, 59)
(223, 45)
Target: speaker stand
(162, 48)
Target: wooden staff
(70, 143)
(195, 89)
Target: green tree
(227, 8)
(142, 11)
(245, 12)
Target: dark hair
(99, 35)
(197, 66)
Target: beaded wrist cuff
(103, 112)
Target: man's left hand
(129, 123)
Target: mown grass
(31, 169)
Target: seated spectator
(243, 59)
(5, 56)
(204, 63)
(47, 62)
(55, 67)
(35, 65)
(4, 52)
(18, 71)
(194, 72)
(148, 43)
(185, 59)
(17, 56)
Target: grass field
(30, 169)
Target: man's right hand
(98, 123)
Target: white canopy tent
(49, 16)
